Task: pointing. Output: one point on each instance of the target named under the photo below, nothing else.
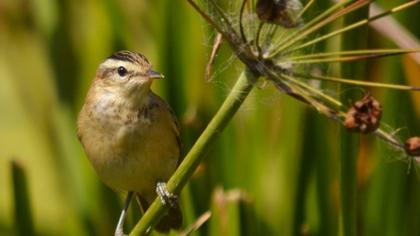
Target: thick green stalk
(225, 113)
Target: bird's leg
(119, 231)
(166, 197)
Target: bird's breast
(130, 148)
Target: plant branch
(344, 59)
(365, 52)
(393, 30)
(358, 82)
(355, 25)
(319, 22)
(225, 113)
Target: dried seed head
(412, 146)
(279, 12)
(364, 116)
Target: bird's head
(127, 74)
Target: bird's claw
(166, 197)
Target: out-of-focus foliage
(277, 161)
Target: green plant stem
(225, 113)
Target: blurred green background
(274, 171)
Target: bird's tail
(172, 219)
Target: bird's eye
(122, 71)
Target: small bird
(130, 135)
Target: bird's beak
(154, 75)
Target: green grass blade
(23, 214)
(349, 142)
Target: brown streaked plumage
(130, 134)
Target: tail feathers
(172, 219)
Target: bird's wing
(176, 127)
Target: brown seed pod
(279, 12)
(412, 146)
(364, 115)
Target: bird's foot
(166, 197)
